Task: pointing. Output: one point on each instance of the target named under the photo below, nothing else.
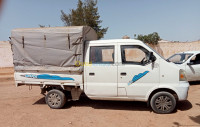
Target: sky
(174, 20)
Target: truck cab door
(101, 73)
(137, 75)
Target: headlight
(182, 76)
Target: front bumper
(182, 90)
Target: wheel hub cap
(163, 103)
(54, 99)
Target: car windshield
(179, 58)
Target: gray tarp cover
(50, 49)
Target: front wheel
(163, 102)
(55, 99)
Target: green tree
(86, 13)
(152, 38)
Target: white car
(188, 61)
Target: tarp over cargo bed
(50, 49)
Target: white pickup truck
(68, 61)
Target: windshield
(179, 58)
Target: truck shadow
(184, 105)
(98, 104)
(115, 105)
(194, 82)
(110, 105)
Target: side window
(102, 54)
(133, 54)
(195, 59)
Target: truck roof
(116, 41)
(47, 28)
(193, 52)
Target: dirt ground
(21, 107)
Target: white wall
(6, 59)
(170, 48)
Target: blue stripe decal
(137, 77)
(47, 76)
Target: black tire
(163, 102)
(55, 99)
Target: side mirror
(152, 58)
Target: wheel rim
(163, 103)
(54, 99)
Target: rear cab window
(101, 55)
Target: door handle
(123, 74)
(91, 74)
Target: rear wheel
(163, 102)
(55, 99)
